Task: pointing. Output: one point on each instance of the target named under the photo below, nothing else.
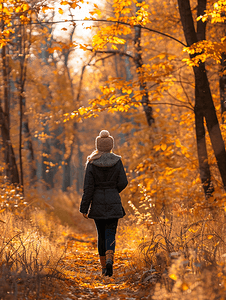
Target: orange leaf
(173, 276)
(73, 5)
(163, 147)
(60, 11)
(210, 236)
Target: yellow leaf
(178, 144)
(82, 110)
(161, 56)
(210, 236)
(60, 11)
(18, 9)
(184, 286)
(65, 29)
(192, 230)
(73, 5)
(173, 276)
(45, 8)
(163, 147)
(25, 6)
(157, 147)
(114, 47)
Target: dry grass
(176, 256)
(182, 257)
(31, 250)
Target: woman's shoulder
(107, 160)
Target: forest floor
(83, 273)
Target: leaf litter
(82, 270)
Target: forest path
(83, 273)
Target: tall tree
(10, 159)
(139, 63)
(204, 107)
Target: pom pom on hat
(104, 134)
(104, 142)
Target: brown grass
(31, 250)
(182, 257)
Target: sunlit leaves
(203, 50)
(142, 14)
(11, 197)
(123, 13)
(102, 38)
(46, 8)
(24, 11)
(25, 7)
(64, 2)
(8, 12)
(217, 13)
(120, 95)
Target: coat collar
(106, 160)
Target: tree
(204, 107)
(10, 159)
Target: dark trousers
(106, 230)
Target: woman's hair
(94, 155)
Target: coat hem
(103, 218)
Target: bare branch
(114, 52)
(111, 21)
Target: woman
(105, 178)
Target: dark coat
(105, 178)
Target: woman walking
(105, 178)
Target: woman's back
(105, 179)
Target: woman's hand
(85, 216)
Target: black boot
(109, 262)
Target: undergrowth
(181, 256)
(176, 254)
(31, 250)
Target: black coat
(105, 178)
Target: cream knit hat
(104, 142)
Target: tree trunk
(10, 159)
(203, 100)
(29, 146)
(143, 85)
(80, 173)
(222, 83)
(11, 168)
(24, 47)
(202, 152)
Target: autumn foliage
(153, 74)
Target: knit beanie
(104, 142)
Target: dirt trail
(83, 271)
